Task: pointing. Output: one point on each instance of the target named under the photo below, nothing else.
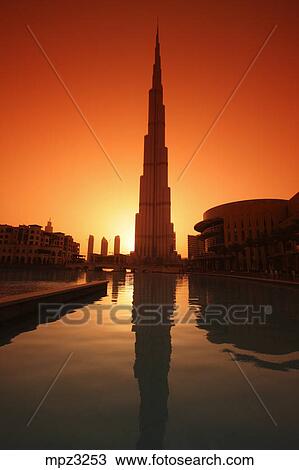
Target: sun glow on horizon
(52, 165)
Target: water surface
(20, 280)
(128, 385)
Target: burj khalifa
(154, 232)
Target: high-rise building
(196, 246)
(117, 245)
(104, 247)
(90, 247)
(154, 233)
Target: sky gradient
(51, 165)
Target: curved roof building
(246, 226)
(235, 222)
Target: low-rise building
(31, 244)
(260, 235)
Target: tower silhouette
(153, 353)
(90, 248)
(117, 245)
(49, 227)
(154, 233)
(104, 247)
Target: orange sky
(51, 164)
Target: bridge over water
(109, 262)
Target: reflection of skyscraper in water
(153, 352)
(118, 280)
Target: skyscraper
(90, 248)
(117, 245)
(154, 233)
(104, 247)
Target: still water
(110, 383)
(19, 281)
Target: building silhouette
(104, 247)
(117, 245)
(153, 354)
(196, 246)
(154, 232)
(259, 235)
(30, 244)
(49, 227)
(90, 247)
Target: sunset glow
(104, 53)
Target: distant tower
(90, 248)
(49, 227)
(117, 245)
(104, 247)
(154, 234)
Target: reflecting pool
(108, 375)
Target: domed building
(259, 235)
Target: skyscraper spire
(154, 235)
(157, 65)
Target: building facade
(260, 235)
(117, 245)
(154, 233)
(104, 247)
(196, 246)
(30, 244)
(49, 227)
(90, 248)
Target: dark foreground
(119, 384)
